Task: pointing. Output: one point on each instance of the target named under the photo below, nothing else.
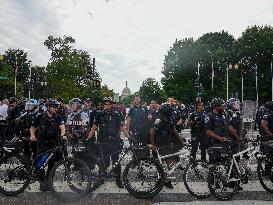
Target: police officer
(108, 124)
(176, 114)
(77, 121)
(26, 120)
(216, 124)
(50, 125)
(138, 122)
(235, 120)
(267, 123)
(163, 134)
(16, 109)
(198, 132)
(62, 110)
(90, 109)
(153, 111)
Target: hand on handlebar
(153, 147)
(223, 139)
(33, 138)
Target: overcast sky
(128, 38)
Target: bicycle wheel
(265, 173)
(69, 180)
(14, 174)
(96, 170)
(195, 179)
(143, 177)
(219, 184)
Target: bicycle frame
(252, 152)
(182, 156)
(123, 150)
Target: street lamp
(231, 67)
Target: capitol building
(126, 91)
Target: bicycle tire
(198, 177)
(265, 175)
(217, 180)
(20, 172)
(139, 163)
(96, 169)
(77, 169)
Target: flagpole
(227, 83)
(271, 81)
(256, 74)
(198, 78)
(29, 83)
(15, 76)
(212, 76)
(242, 87)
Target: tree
(150, 90)
(255, 46)
(66, 70)
(12, 56)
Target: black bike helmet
(107, 99)
(269, 105)
(217, 102)
(75, 100)
(12, 100)
(52, 102)
(166, 110)
(231, 102)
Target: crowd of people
(143, 123)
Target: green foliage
(66, 70)
(150, 90)
(255, 46)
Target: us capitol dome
(126, 91)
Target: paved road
(108, 193)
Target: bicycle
(97, 166)
(225, 176)
(145, 177)
(68, 180)
(265, 166)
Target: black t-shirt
(198, 120)
(217, 123)
(139, 119)
(48, 127)
(108, 126)
(163, 132)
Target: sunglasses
(107, 103)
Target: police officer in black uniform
(62, 110)
(50, 125)
(138, 122)
(26, 119)
(217, 125)
(236, 121)
(198, 132)
(163, 134)
(267, 123)
(16, 109)
(153, 112)
(108, 124)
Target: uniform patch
(157, 121)
(207, 119)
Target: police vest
(48, 128)
(108, 129)
(163, 132)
